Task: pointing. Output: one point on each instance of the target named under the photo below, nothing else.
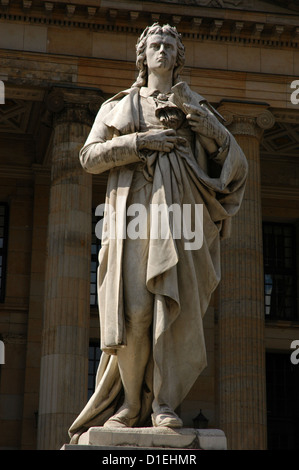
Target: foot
(122, 419)
(165, 416)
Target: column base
(100, 438)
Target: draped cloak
(181, 281)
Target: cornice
(14, 338)
(12, 171)
(280, 192)
(290, 116)
(199, 22)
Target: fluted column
(63, 385)
(242, 408)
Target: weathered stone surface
(147, 438)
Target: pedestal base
(100, 438)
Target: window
(282, 402)
(3, 247)
(279, 241)
(93, 362)
(95, 247)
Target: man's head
(165, 37)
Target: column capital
(246, 118)
(73, 105)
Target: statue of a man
(163, 145)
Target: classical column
(242, 406)
(63, 384)
(36, 299)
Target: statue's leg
(138, 307)
(165, 416)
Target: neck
(160, 82)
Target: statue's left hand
(205, 123)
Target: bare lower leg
(138, 310)
(132, 361)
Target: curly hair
(141, 48)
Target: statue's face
(161, 53)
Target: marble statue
(162, 144)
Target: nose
(162, 48)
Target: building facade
(58, 62)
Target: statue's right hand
(161, 140)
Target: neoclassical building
(59, 61)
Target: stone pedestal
(100, 438)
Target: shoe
(165, 417)
(121, 421)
